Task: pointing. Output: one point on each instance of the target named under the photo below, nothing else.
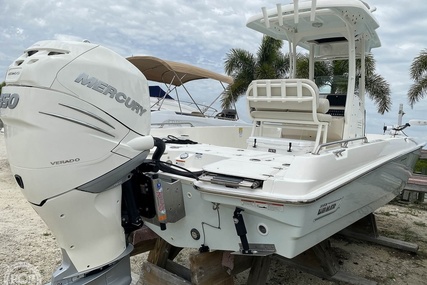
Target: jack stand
(247, 248)
(239, 223)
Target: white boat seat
(292, 103)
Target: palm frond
(238, 60)
(417, 91)
(370, 65)
(281, 66)
(418, 73)
(269, 50)
(245, 67)
(419, 66)
(378, 90)
(234, 91)
(227, 98)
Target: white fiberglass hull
(305, 202)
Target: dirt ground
(26, 242)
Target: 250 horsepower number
(9, 100)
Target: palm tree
(271, 63)
(377, 88)
(418, 73)
(244, 67)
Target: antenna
(400, 115)
(266, 20)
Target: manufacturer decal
(60, 162)
(13, 73)
(328, 208)
(9, 100)
(106, 89)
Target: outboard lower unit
(77, 121)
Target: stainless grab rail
(343, 144)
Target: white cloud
(64, 37)
(201, 33)
(40, 22)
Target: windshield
(335, 84)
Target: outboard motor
(76, 123)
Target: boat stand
(220, 267)
(366, 229)
(216, 267)
(319, 261)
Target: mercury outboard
(77, 121)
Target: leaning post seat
(290, 104)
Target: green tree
(243, 66)
(271, 63)
(334, 74)
(418, 73)
(377, 88)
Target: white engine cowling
(77, 122)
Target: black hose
(165, 167)
(170, 168)
(160, 148)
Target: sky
(203, 32)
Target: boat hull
(288, 228)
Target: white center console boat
(306, 169)
(77, 132)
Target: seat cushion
(289, 116)
(323, 106)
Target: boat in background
(305, 169)
(167, 111)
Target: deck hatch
(231, 181)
